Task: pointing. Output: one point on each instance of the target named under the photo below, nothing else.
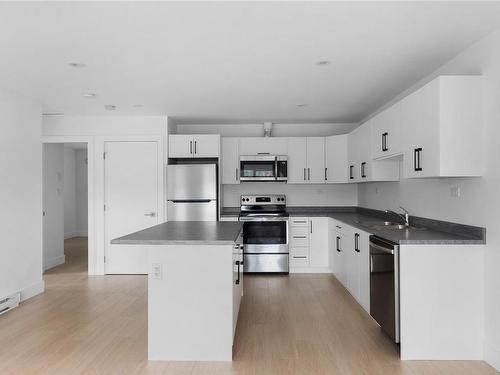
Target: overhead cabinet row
(437, 129)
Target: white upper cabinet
(361, 166)
(316, 160)
(193, 146)
(306, 160)
(443, 128)
(230, 160)
(336, 159)
(206, 145)
(297, 160)
(387, 133)
(263, 146)
(180, 146)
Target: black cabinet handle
(384, 142)
(326, 174)
(238, 279)
(356, 243)
(195, 147)
(338, 244)
(351, 170)
(363, 164)
(417, 159)
(191, 147)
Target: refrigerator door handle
(191, 200)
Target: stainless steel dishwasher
(384, 285)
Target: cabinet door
(336, 159)
(364, 269)
(351, 263)
(353, 155)
(297, 160)
(206, 146)
(386, 132)
(230, 160)
(316, 160)
(262, 145)
(318, 242)
(421, 116)
(339, 263)
(180, 146)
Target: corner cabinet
(193, 146)
(361, 167)
(230, 160)
(443, 128)
(387, 133)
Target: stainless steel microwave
(263, 168)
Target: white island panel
(191, 307)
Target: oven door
(258, 168)
(265, 237)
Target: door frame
(90, 191)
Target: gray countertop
(434, 232)
(185, 233)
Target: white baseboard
(50, 263)
(76, 233)
(310, 270)
(492, 355)
(32, 290)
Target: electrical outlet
(376, 189)
(157, 271)
(455, 191)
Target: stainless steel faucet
(405, 216)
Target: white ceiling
(247, 61)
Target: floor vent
(10, 302)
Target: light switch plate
(455, 191)
(157, 271)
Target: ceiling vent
(268, 129)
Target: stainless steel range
(265, 233)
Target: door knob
(151, 214)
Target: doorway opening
(65, 208)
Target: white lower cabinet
(322, 244)
(309, 244)
(350, 263)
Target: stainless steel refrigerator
(192, 192)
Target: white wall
(479, 200)
(296, 195)
(81, 192)
(21, 192)
(53, 205)
(75, 192)
(256, 130)
(69, 193)
(96, 131)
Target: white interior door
(53, 205)
(131, 199)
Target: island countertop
(185, 233)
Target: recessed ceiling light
(77, 65)
(89, 95)
(109, 107)
(138, 105)
(323, 62)
(301, 105)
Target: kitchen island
(195, 285)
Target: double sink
(384, 225)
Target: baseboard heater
(10, 302)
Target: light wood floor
(301, 324)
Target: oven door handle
(381, 248)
